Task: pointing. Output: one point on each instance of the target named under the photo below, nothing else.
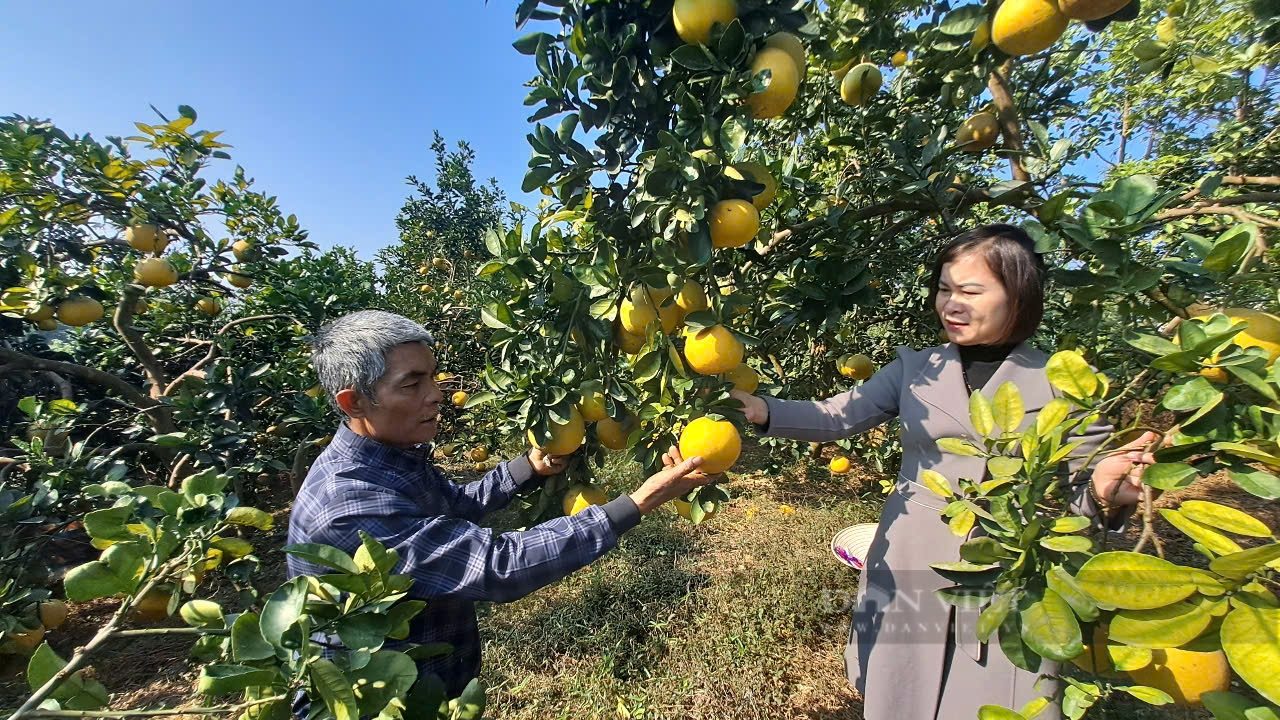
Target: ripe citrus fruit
(1090, 9)
(564, 438)
(142, 237)
(425, 289)
(760, 174)
(480, 467)
(839, 465)
(637, 311)
(439, 263)
(712, 350)
(733, 223)
(1215, 375)
(22, 643)
(580, 497)
(155, 272)
(629, 343)
(1025, 27)
(899, 59)
(685, 509)
(244, 250)
(152, 607)
(857, 367)
(209, 306)
(791, 45)
(479, 454)
(860, 83)
(49, 324)
(613, 434)
(1185, 675)
(693, 18)
(691, 297)
(459, 398)
(716, 441)
(743, 378)
(77, 311)
(238, 280)
(978, 133)
(447, 450)
(782, 86)
(592, 404)
(40, 314)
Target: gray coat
(902, 650)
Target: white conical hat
(851, 544)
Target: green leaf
(1069, 373)
(1169, 476)
(536, 178)
(1008, 408)
(1149, 695)
(1067, 543)
(981, 414)
(109, 524)
(692, 57)
(207, 483)
(365, 631)
(335, 688)
(203, 614)
(983, 551)
(282, 610)
(119, 571)
(1135, 582)
(1193, 394)
(1002, 466)
(993, 616)
(1014, 647)
(732, 135)
(1152, 344)
(222, 679)
(1032, 709)
(995, 712)
(373, 555)
(247, 642)
(400, 616)
(1052, 415)
(1230, 247)
(528, 44)
(1126, 658)
(1049, 627)
(963, 20)
(1134, 193)
(1070, 524)
(1224, 518)
(936, 483)
(387, 675)
(1165, 627)
(1219, 544)
(962, 523)
(1061, 582)
(250, 517)
(1230, 706)
(324, 555)
(959, 446)
(1251, 640)
(1256, 482)
(76, 692)
(1238, 566)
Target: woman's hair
(1011, 255)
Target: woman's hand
(547, 465)
(1117, 478)
(756, 409)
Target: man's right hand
(676, 480)
(756, 409)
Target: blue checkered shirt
(400, 498)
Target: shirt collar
(370, 451)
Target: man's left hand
(547, 465)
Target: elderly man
(377, 476)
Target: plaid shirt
(400, 498)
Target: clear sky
(329, 105)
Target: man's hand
(677, 478)
(756, 410)
(547, 465)
(1121, 473)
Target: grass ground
(742, 617)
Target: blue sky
(328, 105)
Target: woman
(909, 654)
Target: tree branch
(197, 370)
(1007, 115)
(159, 413)
(123, 322)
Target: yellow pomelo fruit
(425, 289)
(1026, 27)
(637, 311)
(152, 607)
(782, 87)
(480, 467)
(439, 263)
(716, 441)
(458, 295)
(743, 378)
(1263, 331)
(691, 297)
(733, 223)
(244, 250)
(1090, 9)
(791, 45)
(839, 465)
(858, 367)
(693, 18)
(629, 343)
(899, 59)
(712, 350)
(448, 450)
(22, 643)
(592, 405)
(981, 37)
(686, 510)
(760, 174)
(155, 272)
(564, 438)
(77, 311)
(978, 133)
(459, 398)
(1215, 375)
(860, 83)
(209, 306)
(40, 314)
(53, 613)
(1185, 675)
(580, 497)
(238, 280)
(143, 236)
(442, 376)
(479, 454)
(613, 434)
(49, 324)
(424, 269)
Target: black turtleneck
(979, 363)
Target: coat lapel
(941, 382)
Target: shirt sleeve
(857, 410)
(449, 557)
(492, 492)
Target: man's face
(407, 411)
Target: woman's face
(972, 303)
